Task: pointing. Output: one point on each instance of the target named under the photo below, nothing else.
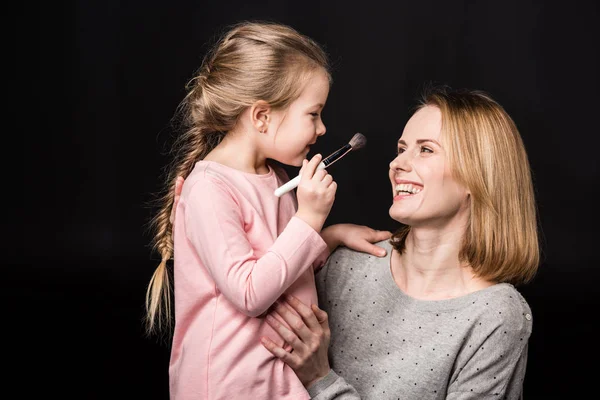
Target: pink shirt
(238, 247)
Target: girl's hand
(315, 193)
(309, 339)
(177, 187)
(355, 237)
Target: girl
(237, 248)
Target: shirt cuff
(323, 383)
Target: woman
(439, 317)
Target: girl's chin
(298, 161)
(292, 162)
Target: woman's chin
(401, 217)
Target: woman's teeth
(407, 188)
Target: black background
(98, 81)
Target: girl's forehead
(317, 87)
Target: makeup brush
(358, 141)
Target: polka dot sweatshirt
(387, 345)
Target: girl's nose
(321, 129)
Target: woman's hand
(177, 187)
(309, 339)
(355, 237)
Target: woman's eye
(315, 115)
(401, 150)
(426, 150)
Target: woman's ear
(260, 115)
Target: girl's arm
(215, 228)
(355, 237)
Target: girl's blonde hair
(252, 61)
(487, 155)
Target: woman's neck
(238, 151)
(429, 267)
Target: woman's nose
(401, 162)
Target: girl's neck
(238, 151)
(429, 268)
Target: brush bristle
(358, 141)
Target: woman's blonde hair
(487, 156)
(252, 61)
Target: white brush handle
(293, 183)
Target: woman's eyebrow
(419, 141)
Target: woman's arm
(497, 367)
(308, 333)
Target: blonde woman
(440, 316)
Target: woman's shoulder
(505, 305)
(505, 296)
(343, 259)
(345, 253)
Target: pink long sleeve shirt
(238, 248)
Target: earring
(265, 128)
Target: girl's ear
(260, 115)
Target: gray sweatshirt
(387, 345)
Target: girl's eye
(315, 115)
(426, 150)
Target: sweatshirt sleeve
(497, 368)
(216, 229)
(333, 387)
(321, 260)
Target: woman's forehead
(426, 123)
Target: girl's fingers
(302, 168)
(320, 175)
(327, 180)
(178, 185)
(382, 235)
(309, 169)
(304, 162)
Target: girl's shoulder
(279, 171)
(208, 176)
